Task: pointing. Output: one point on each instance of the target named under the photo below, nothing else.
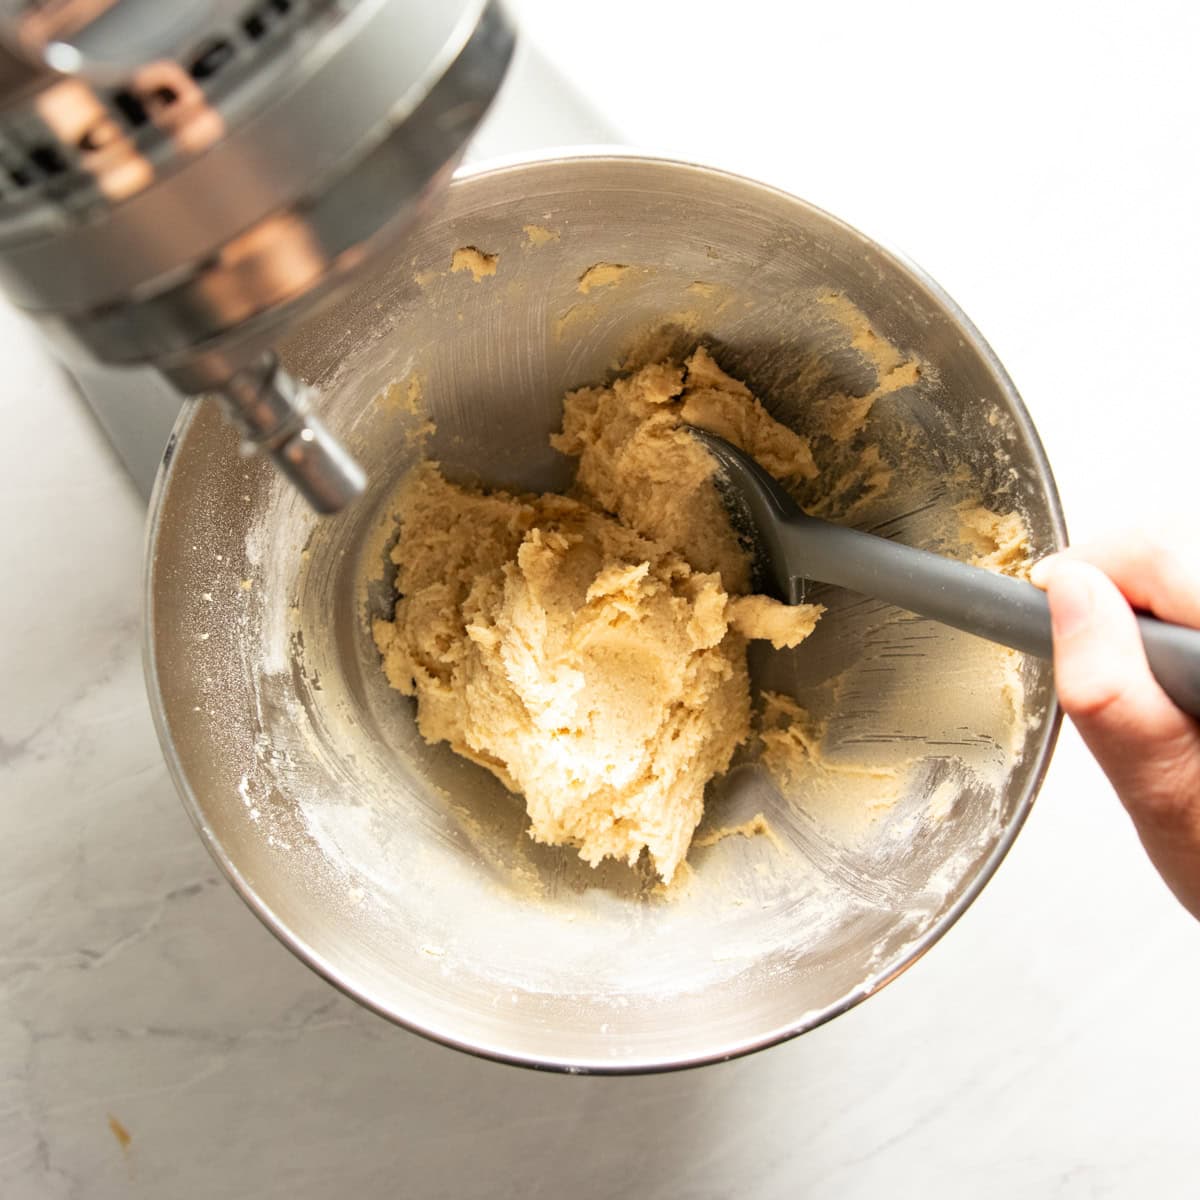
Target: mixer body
(180, 181)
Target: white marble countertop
(155, 1041)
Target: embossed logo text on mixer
(76, 127)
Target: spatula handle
(1174, 655)
(997, 607)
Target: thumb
(1141, 740)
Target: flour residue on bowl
(405, 396)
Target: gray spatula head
(759, 510)
(791, 548)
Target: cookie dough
(590, 650)
(600, 275)
(636, 462)
(998, 541)
(478, 262)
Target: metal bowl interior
(404, 873)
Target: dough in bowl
(590, 650)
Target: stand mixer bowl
(402, 872)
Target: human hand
(1148, 748)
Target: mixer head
(181, 179)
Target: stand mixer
(181, 180)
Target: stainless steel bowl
(402, 873)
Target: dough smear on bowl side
(590, 650)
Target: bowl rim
(644, 1064)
